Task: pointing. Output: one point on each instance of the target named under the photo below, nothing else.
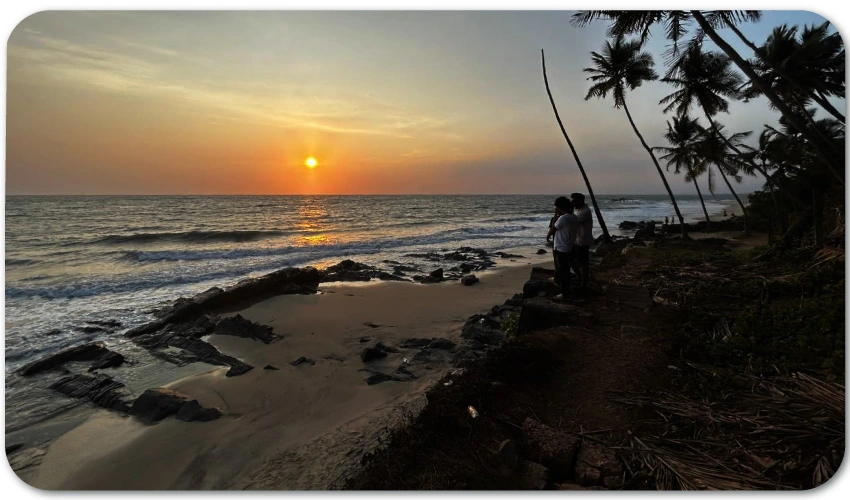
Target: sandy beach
(298, 427)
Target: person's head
(562, 205)
(577, 200)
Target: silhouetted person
(583, 238)
(564, 231)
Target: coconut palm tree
(606, 237)
(622, 66)
(811, 68)
(677, 24)
(683, 136)
(707, 79)
(714, 149)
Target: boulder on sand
(156, 404)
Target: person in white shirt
(584, 238)
(564, 231)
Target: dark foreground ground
(687, 365)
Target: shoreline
(128, 436)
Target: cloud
(67, 63)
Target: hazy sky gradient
(387, 102)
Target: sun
(310, 162)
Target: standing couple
(572, 228)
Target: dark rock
(429, 279)
(12, 448)
(377, 378)
(348, 265)
(386, 348)
(594, 463)
(207, 295)
(302, 360)
(270, 367)
(371, 325)
(469, 279)
(95, 351)
(465, 268)
(237, 369)
(509, 255)
(538, 284)
(540, 313)
(484, 329)
(646, 232)
(441, 343)
(192, 411)
(238, 326)
(333, 357)
(110, 323)
(415, 343)
(533, 476)
(402, 374)
(551, 447)
(515, 301)
(156, 404)
(541, 251)
(370, 353)
(90, 329)
(52, 333)
(100, 389)
(364, 339)
(437, 273)
(107, 360)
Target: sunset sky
(386, 102)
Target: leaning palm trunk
(701, 201)
(658, 167)
(823, 150)
(743, 208)
(605, 236)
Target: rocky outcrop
(100, 389)
(238, 326)
(538, 284)
(97, 352)
(533, 476)
(540, 313)
(469, 279)
(484, 329)
(302, 361)
(192, 411)
(159, 403)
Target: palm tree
(676, 25)
(713, 149)
(708, 80)
(622, 66)
(606, 237)
(811, 68)
(683, 135)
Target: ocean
(73, 262)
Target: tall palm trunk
(818, 98)
(701, 202)
(823, 150)
(658, 167)
(743, 208)
(605, 235)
